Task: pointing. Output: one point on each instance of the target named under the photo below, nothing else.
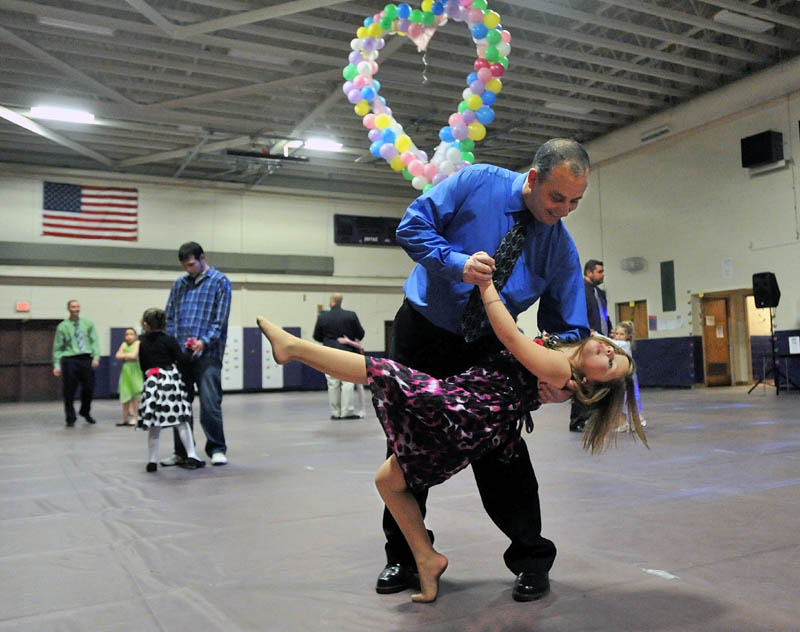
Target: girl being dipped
(165, 400)
(437, 427)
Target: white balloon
(419, 182)
(370, 55)
(364, 68)
(355, 43)
(446, 167)
(504, 48)
(466, 94)
(454, 154)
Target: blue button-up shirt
(471, 211)
(199, 308)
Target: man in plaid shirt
(197, 316)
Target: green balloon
(492, 54)
(386, 23)
(407, 174)
(390, 11)
(350, 72)
(493, 36)
(466, 145)
(428, 18)
(462, 107)
(468, 155)
(504, 61)
(478, 4)
(416, 16)
(427, 187)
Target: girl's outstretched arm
(546, 364)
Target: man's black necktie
(474, 320)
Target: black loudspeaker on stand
(767, 294)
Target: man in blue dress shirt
(451, 232)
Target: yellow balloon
(474, 102)
(426, 5)
(491, 19)
(361, 32)
(494, 85)
(396, 163)
(382, 121)
(476, 130)
(403, 143)
(362, 107)
(374, 30)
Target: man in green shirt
(76, 354)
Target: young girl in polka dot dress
(165, 400)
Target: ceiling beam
(33, 126)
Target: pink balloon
(430, 171)
(484, 74)
(465, 3)
(369, 121)
(475, 16)
(505, 36)
(373, 65)
(415, 168)
(360, 81)
(454, 119)
(407, 157)
(414, 29)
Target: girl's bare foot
(430, 571)
(278, 338)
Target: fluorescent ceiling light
(743, 22)
(322, 144)
(292, 144)
(61, 114)
(75, 26)
(264, 57)
(568, 107)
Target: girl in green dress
(130, 378)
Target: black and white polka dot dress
(164, 399)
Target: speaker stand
(775, 369)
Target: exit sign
(23, 306)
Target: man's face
(193, 266)
(596, 276)
(553, 199)
(74, 309)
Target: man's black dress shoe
(530, 586)
(396, 577)
(89, 419)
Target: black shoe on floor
(152, 467)
(579, 426)
(530, 586)
(89, 419)
(396, 577)
(351, 417)
(192, 464)
(70, 424)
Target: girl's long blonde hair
(604, 401)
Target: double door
(26, 364)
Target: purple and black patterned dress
(437, 427)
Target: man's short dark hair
(560, 150)
(590, 265)
(190, 249)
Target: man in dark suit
(597, 312)
(331, 325)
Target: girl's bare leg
(404, 507)
(343, 365)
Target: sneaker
(173, 459)
(219, 458)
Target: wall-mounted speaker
(762, 149)
(633, 264)
(765, 289)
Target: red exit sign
(23, 306)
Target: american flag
(83, 212)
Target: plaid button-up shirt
(199, 308)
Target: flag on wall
(84, 212)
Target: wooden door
(716, 342)
(637, 313)
(26, 364)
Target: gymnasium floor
(699, 533)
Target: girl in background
(623, 336)
(165, 401)
(130, 377)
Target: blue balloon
(479, 31)
(437, 8)
(446, 134)
(377, 85)
(488, 97)
(484, 115)
(368, 93)
(387, 135)
(375, 148)
(473, 76)
(403, 10)
(368, 21)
